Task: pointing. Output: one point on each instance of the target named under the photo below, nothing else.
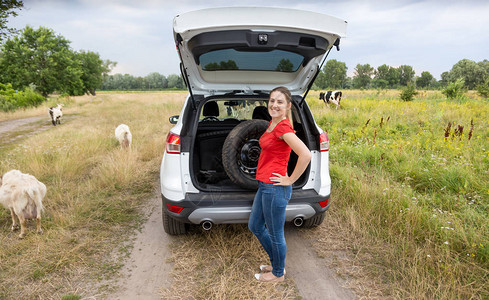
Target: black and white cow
(331, 96)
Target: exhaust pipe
(207, 225)
(298, 221)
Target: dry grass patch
(21, 113)
(95, 192)
(220, 264)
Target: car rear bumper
(226, 208)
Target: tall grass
(413, 191)
(94, 193)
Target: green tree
(362, 76)
(223, 65)
(129, 82)
(471, 72)
(381, 76)
(228, 65)
(485, 66)
(394, 77)
(382, 72)
(211, 66)
(7, 8)
(380, 83)
(140, 83)
(445, 78)
(285, 65)
(333, 75)
(94, 70)
(387, 74)
(425, 80)
(113, 82)
(175, 82)
(156, 81)
(42, 58)
(71, 82)
(406, 75)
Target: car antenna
(336, 43)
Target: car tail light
(324, 203)
(173, 143)
(323, 142)
(173, 208)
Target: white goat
(22, 194)
(56, 114)
(123, 135)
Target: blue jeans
(267, 220)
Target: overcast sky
(427, 35)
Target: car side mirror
(174, 119)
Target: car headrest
(261, 112)
(211, 109)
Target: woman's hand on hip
(281, 180)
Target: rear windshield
(232, 59)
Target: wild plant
(408, 92)
(483, 88)
(471, 129)
(455, 90)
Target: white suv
(231, 58)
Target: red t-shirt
(275, 152)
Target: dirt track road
(146, 272)
(15, 129)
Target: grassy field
(409, 214)
(411, 191)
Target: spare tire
(241, 151)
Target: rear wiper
(232, 93)
(235, 92)
(261, 93)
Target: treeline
(46, 60)
(473, 75)
(153, 81)
(39, 61)
(465, 74)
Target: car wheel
(241, 151)
(172, 226)
(314, 221)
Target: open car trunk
(217, 160)
(253, 48)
